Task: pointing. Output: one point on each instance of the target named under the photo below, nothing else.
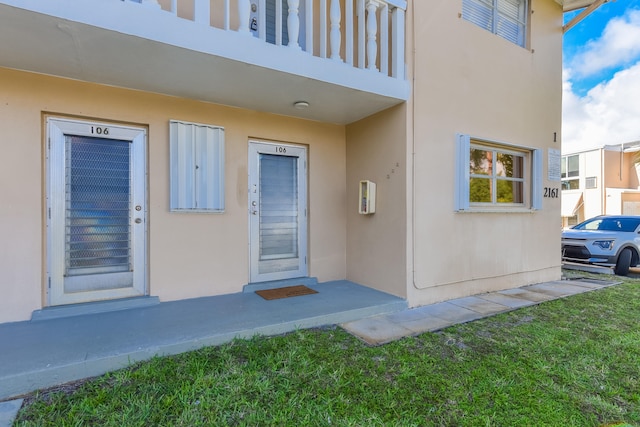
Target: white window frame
(196, 153)
(569, 176)
(490, 15)
(532, 181)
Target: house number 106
(281, 149)
(98, 130)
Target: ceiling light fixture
(301, 105)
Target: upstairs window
(506, 18)
(570, 173)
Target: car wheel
(623, 263)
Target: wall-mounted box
(367, 197)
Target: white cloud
(619, 45)
(608, 114)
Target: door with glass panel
(277, 211)
(96, 211)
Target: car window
(611, 224)
(628, 224)
(589, 225)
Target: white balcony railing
(367, 34)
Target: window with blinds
(276, 21)
(197, 167)
(272, 20)
(506, 18)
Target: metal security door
(96, 211)
(277, 211)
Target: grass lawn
(568, 362)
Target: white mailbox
(367, 197)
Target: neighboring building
(600, 181)
(178, 148)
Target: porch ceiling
(175, 57)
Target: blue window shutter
(461, 193)
(536, 180)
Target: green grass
(568, 362)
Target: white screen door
(277, 211)
(95, 211)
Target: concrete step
(93, 308)
(274, 284)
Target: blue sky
(601, 73)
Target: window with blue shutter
(496, 176)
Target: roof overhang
(571, 202)
(626, 147)
(570, 5)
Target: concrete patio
(56, 348)
(85, 342)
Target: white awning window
(571, 202)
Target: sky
(601, 77)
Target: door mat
(286, 292)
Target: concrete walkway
(43, 353)
(390, 327)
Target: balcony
(345, 58)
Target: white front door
(277, 211)
(96, 211)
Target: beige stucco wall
(620, 173)
(190, 255)
(613, 169)
(620, 170)
(631, 166)
(376, 243)
(467, 80)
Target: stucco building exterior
(185, 148)
(600, 181)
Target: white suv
(612, 241)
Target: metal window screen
(98, 189)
